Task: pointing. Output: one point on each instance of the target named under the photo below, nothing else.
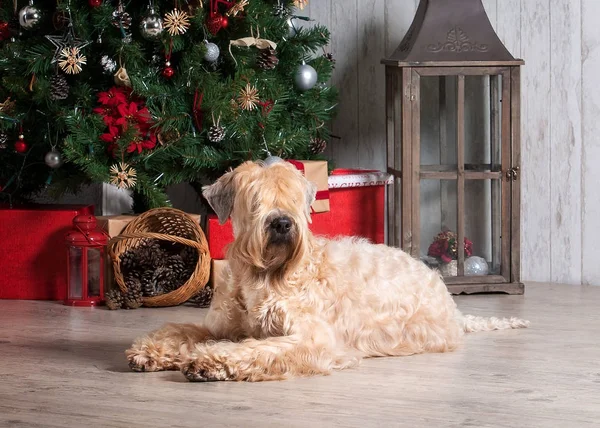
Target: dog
(299, 305)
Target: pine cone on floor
(133, 297)
(113, 299)
(203, 298)
(59, 89)
(267, 59)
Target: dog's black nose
(281, 225)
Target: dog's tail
(471, 323)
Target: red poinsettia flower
(140, 145)
(112, 135)
(113, 97)
(131, 113)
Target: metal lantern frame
(453, 39)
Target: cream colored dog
(299, 305)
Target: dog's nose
(281, 225)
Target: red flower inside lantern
(445, 248)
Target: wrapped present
(113, 225)
(316, 171)
(34, 253)
(357, 208)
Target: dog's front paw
(205, 370)
(143, 358)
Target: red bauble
(4, 31)
(20, 145)
(214, 23)
(224, 21)
(95, 3)
(168, 72)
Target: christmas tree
(144, 95)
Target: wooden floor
(65, 367)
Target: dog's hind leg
(163, 348)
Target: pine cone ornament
(133, 297)
(203, 298)
(113, 299)
(267, 59)
(59, 89)
(216, 133)
(317, 146)
(3, 141)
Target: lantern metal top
(451, 33)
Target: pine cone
(133, 297)
(203, 298)
(3, 140)
(216, 133)
(128, 261)
(267, 59)
(113, 299)
(147, 284)
(317, 146)
(150, 254)
(60, 87)
(189, 256)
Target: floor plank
(65, 367)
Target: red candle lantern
(86, 257)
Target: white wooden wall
(560, 43)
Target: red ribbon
(197, 110)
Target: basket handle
(161, 236)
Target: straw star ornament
(70, 60)
(123, 175)
(176, 22)
(248, 99)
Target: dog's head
(269, 206)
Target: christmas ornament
(267, 59)
(168, 72)
(300, 4)
(151, 25)
(65, 41)
(212, 51)
(120, 18)
(329, 57)
(71, 60)
(4, 31)
(53, 159)
(59, 87)
(237, 8)
(214, 23)
(224, 22)
(122, 78)
(177, 22)
(251, 41)
(306, 77)
(280, 10)
(21, 145)
(108, 64)
(95, 3)
(317, 145)
(29, 16)
(270, 160)
(216, 133)
(122, 175)
(476, 266)
(3, 141)
(248, 98)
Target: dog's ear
(311, 194)
(220, 195)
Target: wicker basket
(166, 224)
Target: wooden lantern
(453, 146)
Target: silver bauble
(151, 25)
(29, 17)
(306, 77)
(212, 52)
(53, 159)
(293, 26)
(272, 160)
(476, 266)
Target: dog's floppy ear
(220, 196)
(311, 194)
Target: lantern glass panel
(75, 272)
(483, 223)
(438, 213)
(94, 268)
(438, 123)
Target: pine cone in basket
(150, 254)
(113, 299)
(162, 279)
(133, 296)
(129, 261)
(203, 298)
(189, 256)
(147, 284)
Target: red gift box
(357, 208)
(34, 257)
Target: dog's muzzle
(281, 225)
